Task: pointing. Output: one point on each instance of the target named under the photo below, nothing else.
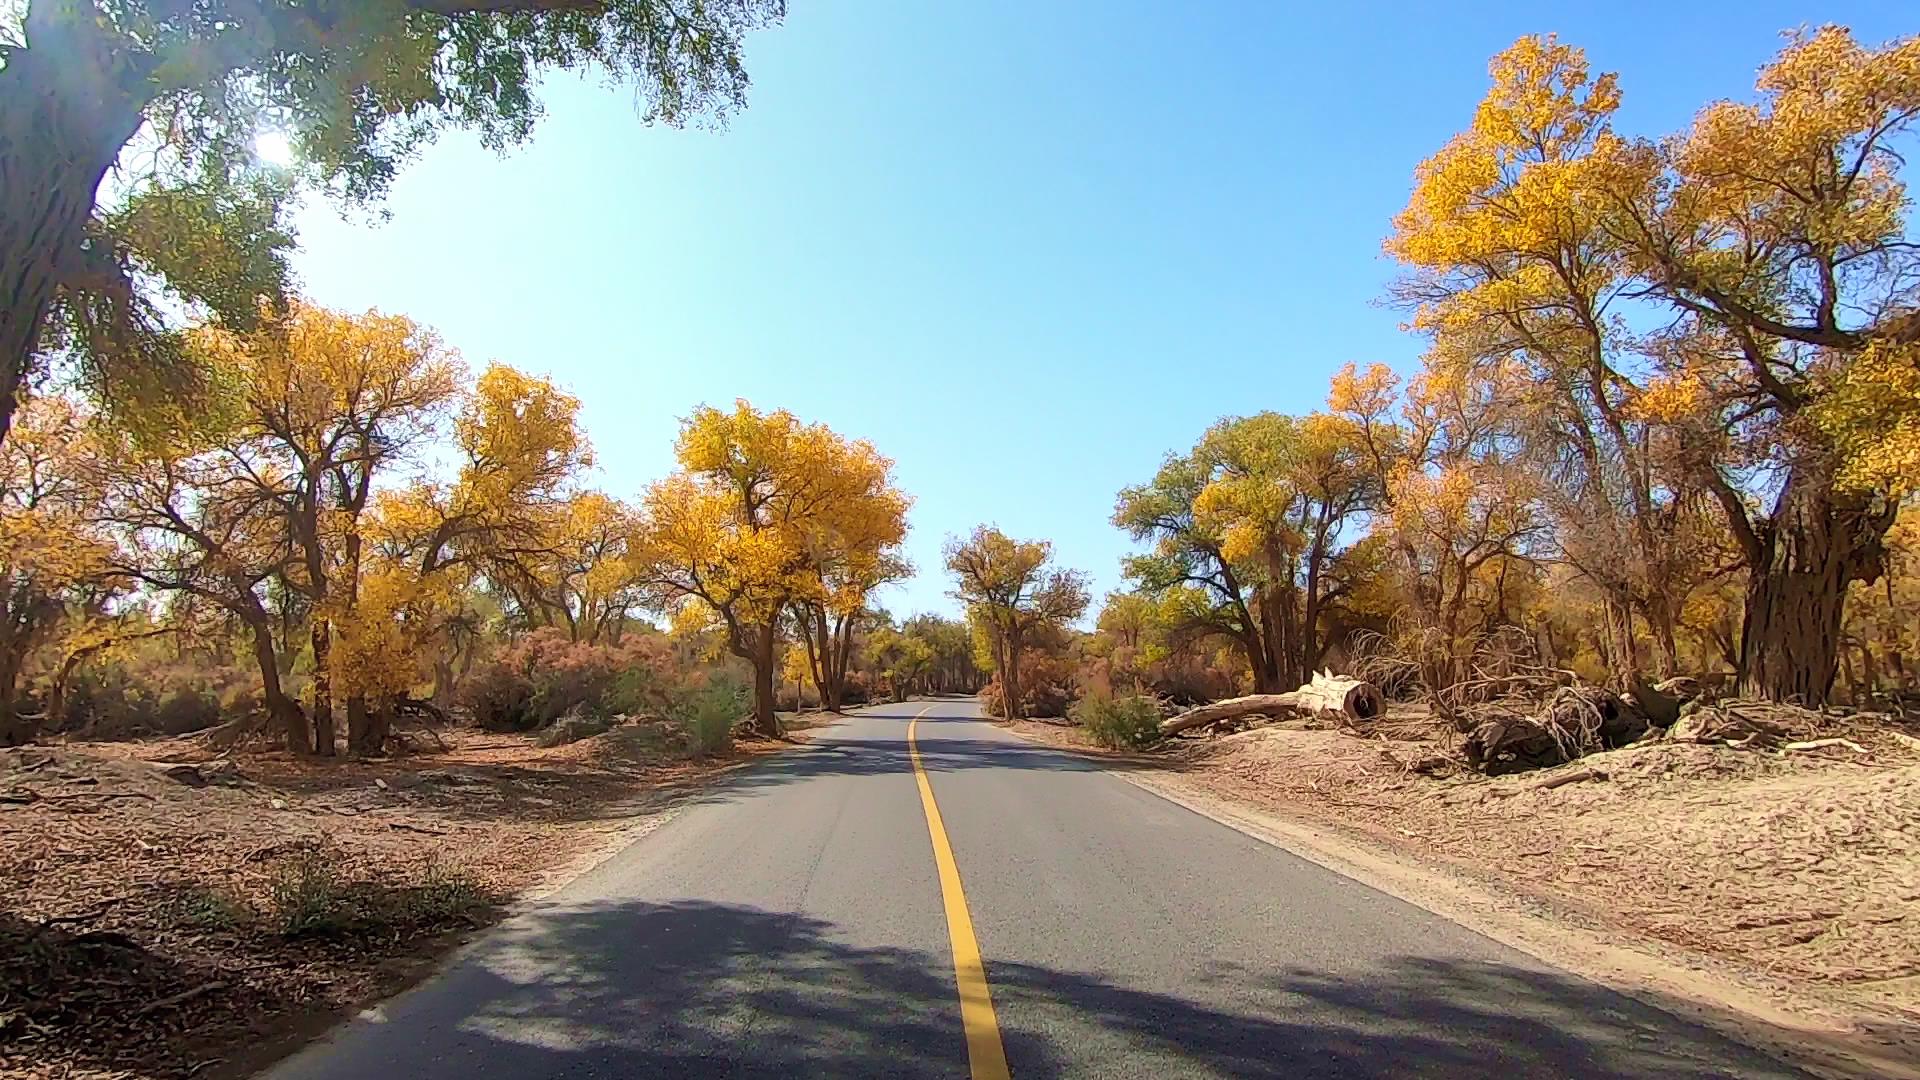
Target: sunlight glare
(273, 148)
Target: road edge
(278, 1051)
(1824, 1045)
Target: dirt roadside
(168, 912)
(1773, 898)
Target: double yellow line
(986, 1055)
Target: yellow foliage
(765, 512)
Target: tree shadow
(706, 989)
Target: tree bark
(323, 733)
(1800, 563)
(281, 708)
(1010, 683)
(16, 729)
(367, 728)
(66, 117)
(764, 720)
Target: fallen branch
(1564, 779)
(1905, 740)
(180, 998)
(64, 796)
(86, 916)
(404, 827)
(1817, 744)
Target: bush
(543, 676)
(198, 908)
(307, 897)
(708, 714)
(1047, 686)
(571, 729)
(1120, 723)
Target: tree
(852, 548)
(1508, 271)
(327, 401)
(176, 92)
(1771, 236)
(53, 555)
(1008, 586)
(740, 532)
(1457, 503)
(1187, 567)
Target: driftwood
(1347, 701)
(1575, 721)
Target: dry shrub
(1048, 687)
(543, 676)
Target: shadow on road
(705, 989)
(835, 753)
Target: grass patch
(198, 908)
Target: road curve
(792, 921)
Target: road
(799, 919)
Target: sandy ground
(1780, 886)
(142, 918)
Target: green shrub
(199, 908)
(708, 714)
(1121, 723)
(306, 896)
(445, 894)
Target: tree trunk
(1801, 561)
(1346, 701)
(282, 709)
(366, 728)
(65, 120)
(323, 733)
(15, 729)
(764, 720)
(1010, 683)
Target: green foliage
(310, 897)
(200, 908)
(708, 714)
(307, 897)
(1119, 723)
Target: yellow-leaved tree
(1766, 246)
(1012, 595)
(765, 512)
(54, 554)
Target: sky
(1024, 249)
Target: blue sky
(1026, 249)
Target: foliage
(175, 95)
(1013, 597)
(543, 676)
(767, 513)
(707, 714)
(1119, 723)
(1766, 246)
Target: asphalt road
(793, 921)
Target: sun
(273, 148)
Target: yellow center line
(986, 1057)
